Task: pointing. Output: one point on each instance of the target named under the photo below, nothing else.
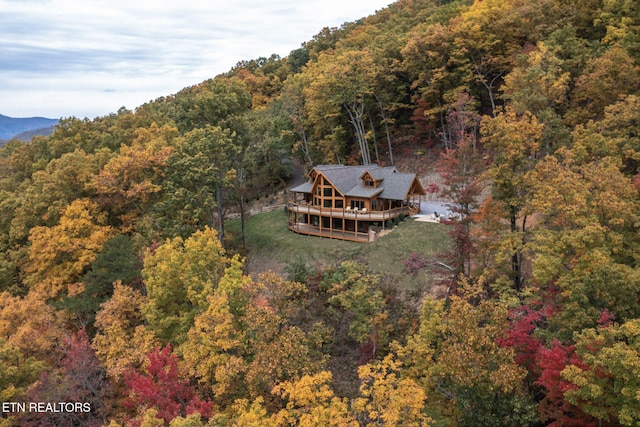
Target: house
(352, 202)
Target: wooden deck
(351, 214)
(311, 230)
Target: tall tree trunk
(242, 223)
(220, 215)
(375, 144)
(386, 128)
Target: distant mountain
(12, 127)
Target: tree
(513, 142)
(211, 102)
(161, 387)
(604, 381)
(31, 326)
(455, 356)
(540, 85)
(358, 294)
(17, 372)
(554, 406)
(388, 399)
(310, 402)
(244, 344)
(116, 263)
(179, 275)
(343, 81)
(199, 178)
(80, 379)
(122, 340)
(131, 181)
(604, 80)
(59, 255)
(461, 169)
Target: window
(327, 203)
(369, 183)
(328, 191)
(357, 204)
(339, 203)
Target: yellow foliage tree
(122, 339)
(312, 403)
(59, 255)
(387, 399)
(31, 326)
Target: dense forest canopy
(121, 287)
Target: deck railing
(349, 213)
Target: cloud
(83, 58)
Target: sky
(88, 58)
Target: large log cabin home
(352, 202)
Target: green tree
(467, 375)
(117, 262)
(607, 377)
(198, 180)
(179, 275)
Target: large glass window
(357, 204)
(327, 203)
(328, 191)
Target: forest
(125, 301)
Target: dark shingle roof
(346, 179)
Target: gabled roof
(347, 180)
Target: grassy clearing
(271, 246)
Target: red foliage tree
(520, 337)
(552, 361)
(162, 387)
(80, 382)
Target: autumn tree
(116, 263)
(198, 182)
(604, 380)
(386, 398)
(513, 142)
(59, 255)
(162, 387)
(80, 378)
(122, 340)
(30, 325)
(456, 358)
(540, 85)
(461, 170)
(358, 294)
(311, 402)
(178, 276)
(244, 344)
(130, 182)
(603, 81)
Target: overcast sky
(88, 58)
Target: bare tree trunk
(375, 144)
(386, 128)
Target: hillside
(146, 228)
(10, 127)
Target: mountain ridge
(11, 127)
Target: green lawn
(271, 246)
